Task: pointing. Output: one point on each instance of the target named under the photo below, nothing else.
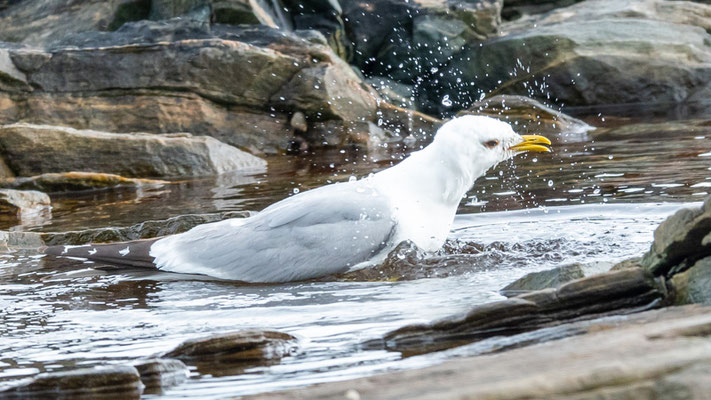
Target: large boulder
(593, 53)
(680, 241)
(239, 84)
(19, 202)
(38, 149)
(694, 284)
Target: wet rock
(75, 181)
(610, 293)
(116, 381)
(404, 123)
(527, 116)
(161, 372)
(298, 122)
(658, 354)
(627, 264)
(552, 278)
(38, 149)
(661, 130)
(694, 284)
(238, 84)
(18, 202)
(404, 40)
(249, 345)
(593, 53)
(514, 9)
(143, 230)
(680, 241)
(396, 93)
(41, 22)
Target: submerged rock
(680, 241)
(110, 382)
(527, 116)
(158, 373)
(23, 202)
(143, 230)
(249, 345)
(75, 181)
(552, 278)
(610, 293)
(596, 52)
(38, 149)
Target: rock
(298, 122)
(405, 40)
(119, 381)
(17, 202)
(680, 241)
(249, 345)
(144, 230)
(597, 52)
(407, 123)
(552, 278)
(694, 284)
(161, 372)
(627, 264)
(238, 84)
(75, 181)
(514, 9)
(39, 149)
(396, 93)
(699, 127)
(658, 354)
(610, 293)
(527, 116)
(41, 22)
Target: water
(608, 193)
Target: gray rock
(593, 53)
(680, 241)
(161, 372)
(393, 92)
(75, 181)
(119, 381)
(527, 116)
(552, 278)
(604, 294)
(694, 284)
(658, 354)
(38, 149)
(250, 345)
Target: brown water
(596, 199)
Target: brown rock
(38, 149)
(119, 381)
(161, 372)
(75, 181)
(19, 202)
(250, 345)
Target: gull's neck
(440, 173)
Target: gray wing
(316, 233)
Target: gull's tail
(134, 254)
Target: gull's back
(319, 232)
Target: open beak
(532, 143)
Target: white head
(477, 143)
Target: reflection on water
(542, 211)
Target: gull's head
(485, 141)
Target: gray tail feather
(134, 254)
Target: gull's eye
(491, 143)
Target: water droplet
(446, 101)
(352, 179)
(295, 190)
(535, 160)
(610, 157)
(550, 183)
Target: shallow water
(595, 201)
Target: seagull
(338, 227)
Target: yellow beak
(532, 143)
